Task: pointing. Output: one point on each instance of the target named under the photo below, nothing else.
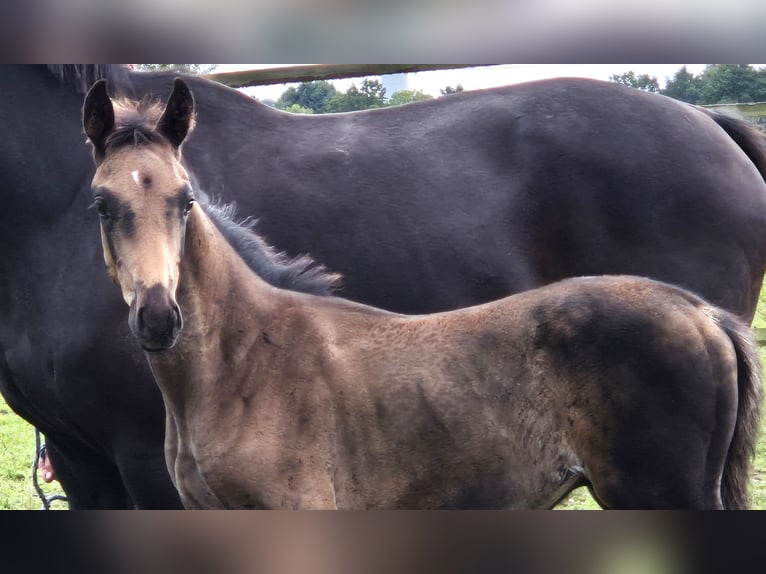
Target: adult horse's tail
(736, 473)
(745, 134)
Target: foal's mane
(276, 268)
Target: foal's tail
(736, 473)
(745, 134)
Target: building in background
(394, 83)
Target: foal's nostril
(177, 320)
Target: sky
(487, 77)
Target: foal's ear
(98, 117)
(178, 117)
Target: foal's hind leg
(664, 429)
(649, 483)
(683, 474)
(674, 463)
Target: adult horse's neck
(224, 306)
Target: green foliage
(643, 82)
(298, 109)
(189, 68)
(321, 97)
(314, 96)
(407, 97)
(719, 84)
(684, 86)
(732, 83)
(371, 94)
(449, 90)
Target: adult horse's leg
(87, 481)
(145, 475)
(99, 485)
(137, 480)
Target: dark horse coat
(426, 207)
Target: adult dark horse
(422, 208)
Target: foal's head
(143, 197)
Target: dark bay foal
(281, 399)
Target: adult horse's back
(464, 199)
(424, 207)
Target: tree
(408, 96)
(373, 90)
(683, 86)
(297, 109)
(190, 68)
(732, 83)
(315, 96)
(372, 94)
(643, 82)
(449, 90)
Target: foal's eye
(101, 207)
(188, 206)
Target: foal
(280, 399)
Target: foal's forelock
(135, 124)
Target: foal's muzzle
(155, 319)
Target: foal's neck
(217, 289)
(224, 305)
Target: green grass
(758, 480)
(17, 444)
(17, 451)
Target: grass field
(17, 443)
(17, 451)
